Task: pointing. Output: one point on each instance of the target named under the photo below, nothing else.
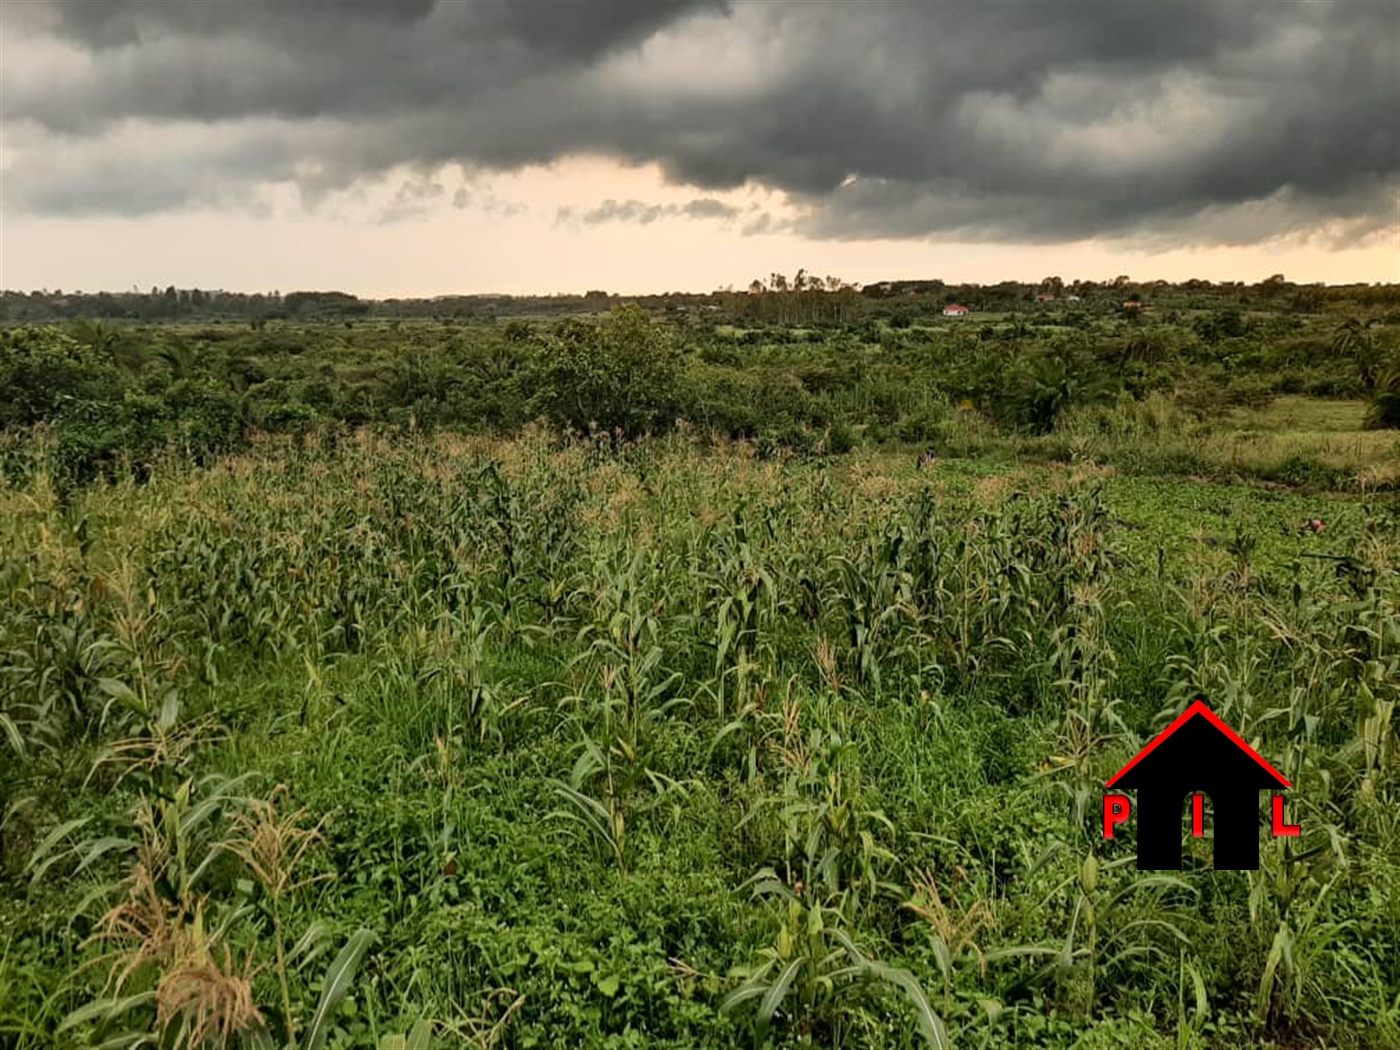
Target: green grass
(655, 748)
(1301, 414)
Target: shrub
(45, 374)
(1383, 411)
(921, 427)
(840, 439)
(620, 375)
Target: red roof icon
(1200, 709)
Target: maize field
(453, 741)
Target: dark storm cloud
(1021, 120)
(117, 23)
(562, 26)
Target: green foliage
(114, 395)
(1043, 388)
(619, 376)
(48, 376)
(547, 710)
(1383, 411)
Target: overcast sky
(401, 147)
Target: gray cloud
(709, 208)
(102, 24)
(1196, 121)
(623, 211)
(762, 224)
(413, 200)
(482, 198)
(645, 214)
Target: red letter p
(1115, 811)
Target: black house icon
(1198, 753)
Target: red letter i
(1198, 815)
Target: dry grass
(828, 663)
(1263, 450)
(871, 485)
(203, 997)
(993, 491)
(957, 927)
(207, 999)
(273, 846)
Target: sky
(413, 147)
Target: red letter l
(1280, 828)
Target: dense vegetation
(640, 681)
(811, 371)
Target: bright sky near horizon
(419, 148)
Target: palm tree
(1145, 349)
(110, 342)
(1383, 413)
(180, 358)
(1353, 338)
(1350, 335)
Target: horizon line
(732, 289)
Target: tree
(180, 358)
(110, 344)
(1039, 388)
(1147, 349)
(1383, 413)
(46, 373)
(619, 375)
(1353, 338)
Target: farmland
(667, 681)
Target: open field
(522, 743)
(581, 526)
(745, 669)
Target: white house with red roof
(955, 310)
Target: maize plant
(541, 707)
(814, 980)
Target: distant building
(1045, 297)
(955, 310)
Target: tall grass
(539, 742)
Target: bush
(840, 439)
(45, 373)
(923, 427)
(1383, 411)
(621, 375)
(738, 403)
(206, 416)
(1308, 472)
(292, 416)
